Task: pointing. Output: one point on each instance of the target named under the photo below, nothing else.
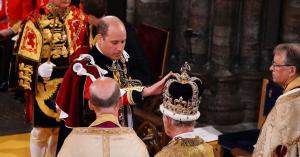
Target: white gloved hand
(45, 69)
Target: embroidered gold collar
(295, 83)
(56, 11)
(106, 118)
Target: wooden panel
(154, 42)
(269, 95)
(261, 117)
(237, 152)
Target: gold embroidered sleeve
(25, 76)
(134, 94)
(31, 42)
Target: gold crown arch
(178, 108)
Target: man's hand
(6, 33)
(156, 88)
(45, 69)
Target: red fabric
(19, 9)
(81, 5)
(106, 124)
(77, 25)
(77, 53)
(3, 26)
(3, 16)
(68, 97)
(2, 11)
(125, 99)
(28, 106)
(87, 84)
(39, 3)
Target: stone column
(223, 106)
(290, 21)
(130, 11)
(154, 12)
(191, 22)
(180, 23)
(249, 74)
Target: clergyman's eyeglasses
(280, 65)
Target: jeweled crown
(182, 96)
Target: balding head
(110, 23)
(104, 92)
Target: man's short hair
(178, 123)
(292, 51)
(111, 101)
(102, 28)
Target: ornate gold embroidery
(186, 147)
(106, 118)
(45, 92)
(295, 83)
(116, 72)
(46, 51)
(25, 72)
(106, 146)
(30, 46)
(55, 54)
(44, 22)
(129, 97)
(121, 76)
(189, 141)
(103, 131)
(74, 26)
(56, 11)
(288, 97)
(54, 34)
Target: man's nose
(271, 68)
(120, 47)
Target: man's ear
(91, 106)
(167, 120)
(119, 104)
(99, 38)
(293, 71)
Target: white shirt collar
(98, 48)
(289, 92)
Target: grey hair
(102, 28)
(111, 101)
(183, 123)
(292, 54)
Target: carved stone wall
(290, 21)
(229, 45)
(154, 12)
(249, 52)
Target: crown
(182, 96)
